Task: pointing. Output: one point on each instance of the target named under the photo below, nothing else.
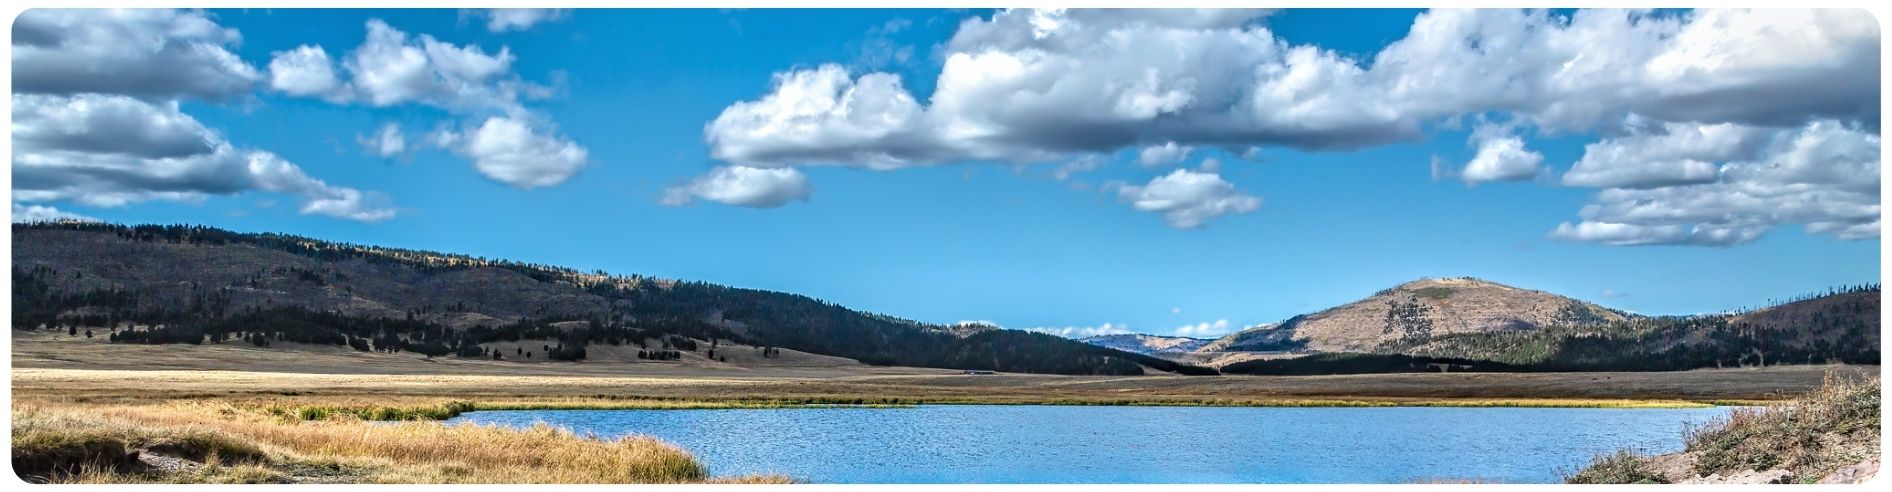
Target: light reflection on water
(1105, 444)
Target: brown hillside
(1417, 310)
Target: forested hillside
(191, 284)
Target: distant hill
(1147, 344)
(189, 284)
(1419, 310)
(1841, 326)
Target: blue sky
(958, 231)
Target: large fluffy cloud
(112, 150)
(151, 54)
(504, 140)
(1034, 86)
(1824, 175)
(1028, 84)
(96, 117)
(390, 67)
(1669, 155)
(743, 186)
(823, 116)
(1187, 199)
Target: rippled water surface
(1079, 444)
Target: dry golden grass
(259, 423)
(1835, 426)
(247, 444)
(1831, 427)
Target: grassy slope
(1835, 426)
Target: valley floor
(279, 409)
(70, 368)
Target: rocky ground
(1680, 468)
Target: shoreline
(606, 405)
(289, 427)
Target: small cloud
(1175, 310)
(1083, 331)
(513, 151)
(502, 20)
(1187, 198)
(893, 26)
(1501, 157)
(1607, 293)
(40, 213)
(1205, 329)
(1165, 154)
(1076, 166)
(388, 142)
(742, 186)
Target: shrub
(1620, 467)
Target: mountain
(1839, 326)
(1147, 344)
(1419, 310)
(190, 284)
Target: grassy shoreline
(456, 408)
(115, 426)
(296, 441)
(1804, 441)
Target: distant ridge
(1147, 344)
(195, 284)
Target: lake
(1100, 444)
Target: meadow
(214, 414)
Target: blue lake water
(1094, 444)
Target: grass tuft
(1620, 467)
(1835, 426)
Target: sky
(1076, 172)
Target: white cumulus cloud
(743, 186)
(1043, 86)
(1082, 331)
(1501, 157)
(144, 53)
(113, 150)
(513, 152)
(1187, 199)
(1671, 154)
(307, 71)
(1824, 176)
(39, 213)
(1207, 329)
(1165, 154)
(502, 20)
